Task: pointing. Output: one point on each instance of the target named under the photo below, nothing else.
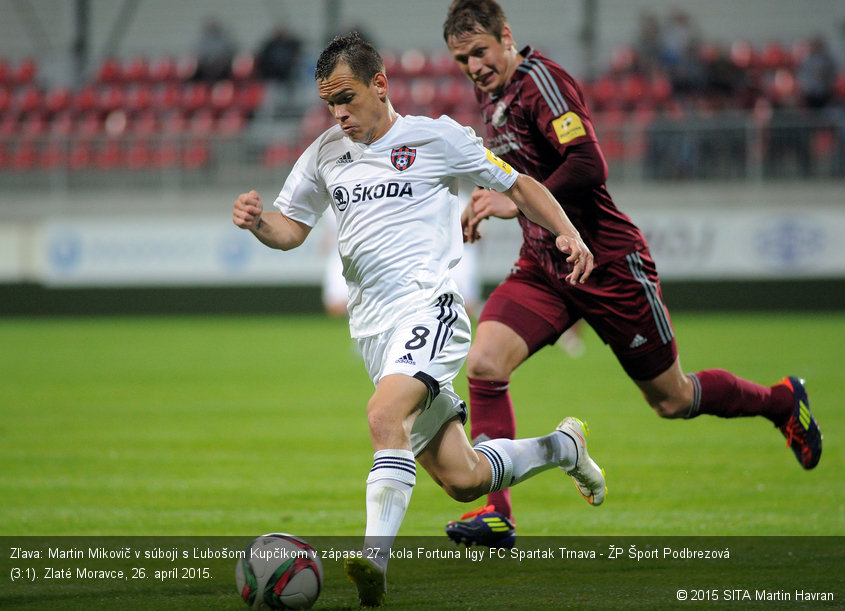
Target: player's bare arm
(483, 204)
(537, 203)
(273, 229)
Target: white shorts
(430, 344)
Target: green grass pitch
(227, 426)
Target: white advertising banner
(183, 251)
(192, 251)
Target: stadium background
(117, 176)
(118, 169)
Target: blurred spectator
(817, 74)
(723, 81)
(678, 37)
(647, 43)
(279, 56)
(215, 52)
(687, 72)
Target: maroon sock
(721, 393)
(491, 415)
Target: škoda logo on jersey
(366, 193)
(403, 157)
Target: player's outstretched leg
(515, 460)
(588, 477)
(482, 526)
(369, 578)
(801, 430)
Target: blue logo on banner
(235, 250)
(790, 242)
(64, 251)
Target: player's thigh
(496, 350)
(624, 305)
(530, 304)
(451, 461)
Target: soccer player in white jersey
(391, 182)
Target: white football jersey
(398, 214)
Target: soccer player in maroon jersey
(536, 119)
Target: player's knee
(668, 408)
(381, 419)
(483, 363)
(463, 489)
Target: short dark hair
(361, 57)
(474, 17)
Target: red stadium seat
(231, 122)
(165, 156)
(145, 123)
(28, 99)
(138, 155)
(24, 157)
(5, 99)
(202, 122)
(249, 95)
(136, 70)
(34, 125)
(167, 96)
(443, 65)
(58, 99)
(138, 97)
(110, 97)
(775, 56)
(279, 154)
(222, 95)
(743, 55)
(62, 123)
(89, 124)
(173, 122)
(195, 156)
(423, 95)
(163, 69)
(195, 95)
(109, 156)
(414, 62)
(24, 73)
(243, 66)
(53, 156)
(110, 71)
(10, 124)
(81, 155)
(85, 100)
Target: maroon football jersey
(538, 116)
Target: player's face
(359, 108)
(489, 63)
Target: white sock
(515, 460)
(389, 488)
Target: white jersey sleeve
(304, 197)
(470, 159)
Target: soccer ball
(279, 571)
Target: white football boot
(587, 475)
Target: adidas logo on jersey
(346, 158)
(407, 359)
(638, 341)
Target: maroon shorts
(621, 301)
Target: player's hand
(483, 204)
(579, 257)
(247, 210)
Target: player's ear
(507, 36)
(380, 83)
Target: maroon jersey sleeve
(559, 111)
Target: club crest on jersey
(403, 157)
